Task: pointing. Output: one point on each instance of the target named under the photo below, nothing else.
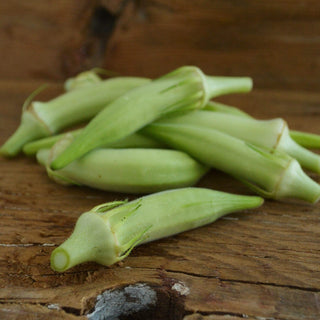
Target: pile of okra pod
(158, 137)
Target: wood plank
(277, 44)
(263, 247)
(258, 263)
(15, 311)
(211, 295)
(198, 316)
(39, 40)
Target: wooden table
(257, 264)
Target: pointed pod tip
(8, 152)
(316, 195)
(57, 165)
(249, 202)
(257, 201)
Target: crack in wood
(28, 245)
(219, 313)
(64, 309)
(99, 28)
(192, 274)
(316, 290)
(203, 315)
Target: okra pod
(186, 88)
(135, 140)
(274, 175)
(42, 119)
(84, 79)
(220, 107)
(107, 233)
(268, 134)
(88, 78)
(126, 170)
(304, 139)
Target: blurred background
(275, 42)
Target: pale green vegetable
(82, 80)
(220, 107)
(126, 170)
(88, 78)
(31, 148)
(269, 134)
(107, 233)
(304, 139)
(274, 175)
(308, 140)
(135, 140)
(42, 119)
(186, 88)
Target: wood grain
(257, 264)
(35, 36)
(275, 43)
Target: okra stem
(107, 233)
(305, 139)
(218, 86)
(305, 157)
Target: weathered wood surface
(276, 42)
(263, 263)
(260, 264)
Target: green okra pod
(88, 78)
(126, 170)
(221, 107)
(42, 119)
(304, 139)
(135, 140)
(274, 175)
(84, 79)
(107, 233)
(186, 88)
(268, 134)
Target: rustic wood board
(259, 264)
(275, 42)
